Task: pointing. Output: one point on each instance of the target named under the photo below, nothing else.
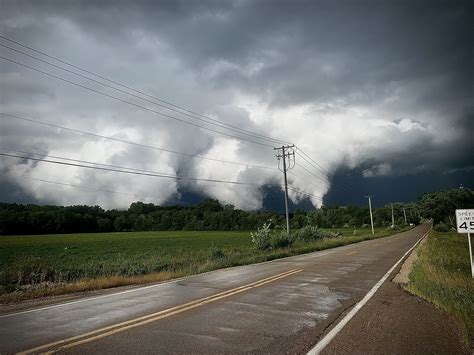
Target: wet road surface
(283, 306)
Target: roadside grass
(442, 275)
(49, 265)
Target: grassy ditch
(442, 275)
(46, 265)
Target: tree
(441, 205)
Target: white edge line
(334, 331)
(320, 252)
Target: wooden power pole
(285, 154)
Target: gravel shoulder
(397, 322)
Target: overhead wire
(343, 185)
(82, 161)
(115, 166)
(132, 103)
(291, 187)
(317, 166)
(76, 186)
(174, 108)
(293, 174)
(103, 167)
(126, 170)
(142, 198)
(312, 174)
(311, 164)
(134, 143)
(321, 168)
(137, 91)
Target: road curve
(275, 307)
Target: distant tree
(105, 225)
(210, 205)
(441, 205)
(210, 214)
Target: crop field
(40, 265)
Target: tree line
(210, 214)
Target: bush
(264, 239)
(216, 254)
(261, 238)
(281, 240)
(442, 228)
(311, 233)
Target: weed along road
(283, 306)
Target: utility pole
(287, 152)
(370, 209)
(393, 219)
(405, 215)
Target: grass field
(40, 265)
(442, 275)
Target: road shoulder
(396, 322)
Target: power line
(323, 169)
(142, 93)
(311, 164)
(83, 161)
(146, 146)
(307, 182)
(186, 112)
(305, 193)
(106, 167)
(132, 103)
(135, 171)
(174, 108)
(82, 187)
(292, 173)
(76, 186)
(134, 143)
(320, 169)
(238, 130)
(311, 173)
(95, 189)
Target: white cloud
(341, 103)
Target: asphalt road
(283, 306)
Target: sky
(377, 96)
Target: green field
(442, 275)
(35, 266)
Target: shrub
(308, 233)
(281, 240)
(311, 233)
(442, 228)
(216, 254)
(261, 238)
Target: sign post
(465, 224)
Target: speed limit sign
(465, 224)
(465, 221)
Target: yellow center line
(353, 252)
(116, 328)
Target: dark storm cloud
(382, 87)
